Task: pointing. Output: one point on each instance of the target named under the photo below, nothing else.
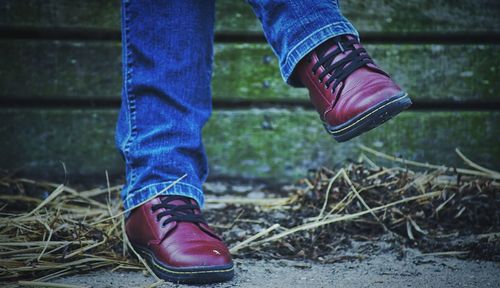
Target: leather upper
(361, 90)
(178, 244)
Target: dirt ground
(383, 270)
(448, 238)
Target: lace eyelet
(326, 86)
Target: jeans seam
(129, 95)
(166, 182)
(198, 198)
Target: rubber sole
(191, 275)
(370, 119)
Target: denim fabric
(166, 95)
(295, 27)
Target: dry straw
(74, 231)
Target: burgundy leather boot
(351, 93)
(174, 238)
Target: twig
(141, 259)
(266, 202)
(328, 189)
(445, 253)
(48, 285)
(253, 238)
(347, 217)
(477, 166)
(425, 165)
(51, 197)
(348, 180)
(139, 204)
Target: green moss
(237, 16)
(409, 16)
(275, 144)
(94, 14)
(58, 70)
(250, 72)
(92, 70)
(297, 142)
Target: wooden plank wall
(60, 84)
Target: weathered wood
(276, 144)
(92, 71)
(60, 69)
(426, 72)
(91, 14)
(237, 16)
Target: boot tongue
(187, 226)
(184, 200)
(181, 200)
(332, 44)
(177, 201)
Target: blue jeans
(167, 68)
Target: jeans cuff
(301, 49)
(181, 189)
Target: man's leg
(318, 48)
(167, 58)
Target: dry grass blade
(139, 204)
(42, 243)
(65, 233)
(144, 263)
(446, 253)
(48, 285)
(268, 202)
(426, 165)
(51, 197)
(48, 235)
(469, 162)
(83, 249)
(336, 218)
(328, 189)
(46, 245)
(348, 180)
(245, 243)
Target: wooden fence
(60, 72)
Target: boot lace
(340, 70)
(179, 213)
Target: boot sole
(370, 119)
(190, 275)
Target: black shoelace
(178, 213)
(339, 71)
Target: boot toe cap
(197, 254)
(361, 99)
